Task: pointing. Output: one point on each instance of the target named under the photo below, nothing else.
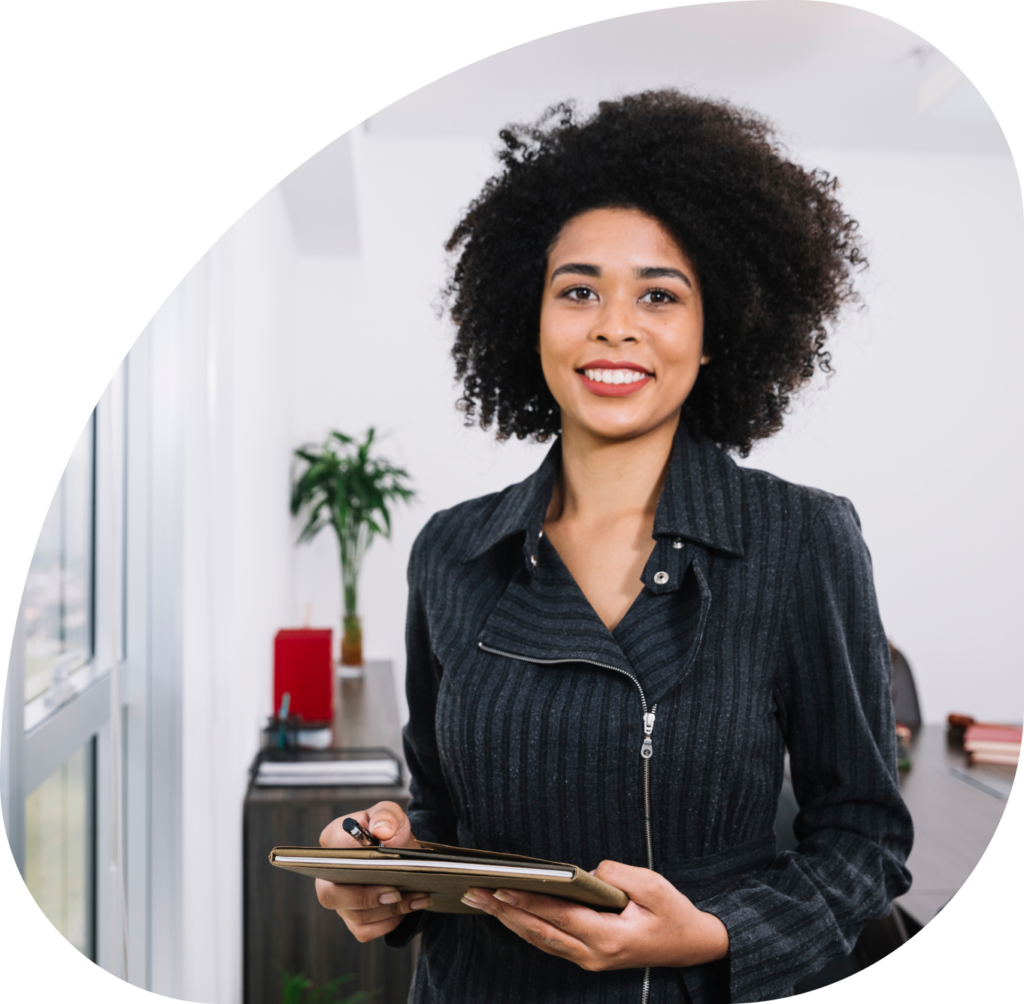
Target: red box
(304, 668)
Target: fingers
(389, 824)
(370, 911)
(641, 885)
(334, 834)
(355, 897)
(574, 918)
(385, 820)
(538, 931)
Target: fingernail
(475, 901)
(382, 831)
(421, 903)
(387, 898)
(505, 897)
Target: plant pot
(352, 641)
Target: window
(86, 780)
(58, 605)
(59, 844)
(58, 626)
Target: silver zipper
(646, 752)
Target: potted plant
(341, 485)
(299, 989)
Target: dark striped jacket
(757, 631)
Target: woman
(608, 661)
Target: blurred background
(169, 550)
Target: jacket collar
(701, 502)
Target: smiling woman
(619, 286)
(765, 241)
(633, 299)
(608, 662)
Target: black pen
(349, 825)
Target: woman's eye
(579, 293)
(657, 296)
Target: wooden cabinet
(285, 928)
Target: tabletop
(956, 809)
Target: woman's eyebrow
(576, 268)
(655, 272)
(647, 272)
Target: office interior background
(169, 548)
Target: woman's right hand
(370, 911)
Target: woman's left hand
(658, 927)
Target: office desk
(956, 809)
(285, 927)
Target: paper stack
(998, 744)
(319, 773)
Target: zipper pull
(647, 750)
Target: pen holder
(295, 733)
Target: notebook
(447, 872)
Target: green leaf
(311, 529)
(343, 484)
(294, 988)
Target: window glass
(59, 590)
(58, 847)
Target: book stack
(998, 744)
(306, 773)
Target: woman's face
(621, 324)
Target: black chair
(879, 937)
(904, 692)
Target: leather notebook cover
(447, 872)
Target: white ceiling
(321, 200)
(829, 76)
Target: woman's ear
(705, 359)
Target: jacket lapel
(543, 616)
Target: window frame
(39, 737)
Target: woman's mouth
(615, 380)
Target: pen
(351, 826)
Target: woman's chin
(620, 427)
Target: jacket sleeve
(853, 830)
(430, 809)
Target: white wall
(234, 317)
(920, 425)
(372, 351)
(917, 426)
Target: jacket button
(677, 542)
(533, 560)
(661, 578)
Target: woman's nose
(616, 324)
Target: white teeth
(615, 376)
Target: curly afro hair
(773, 251)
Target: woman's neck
(603, 480)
